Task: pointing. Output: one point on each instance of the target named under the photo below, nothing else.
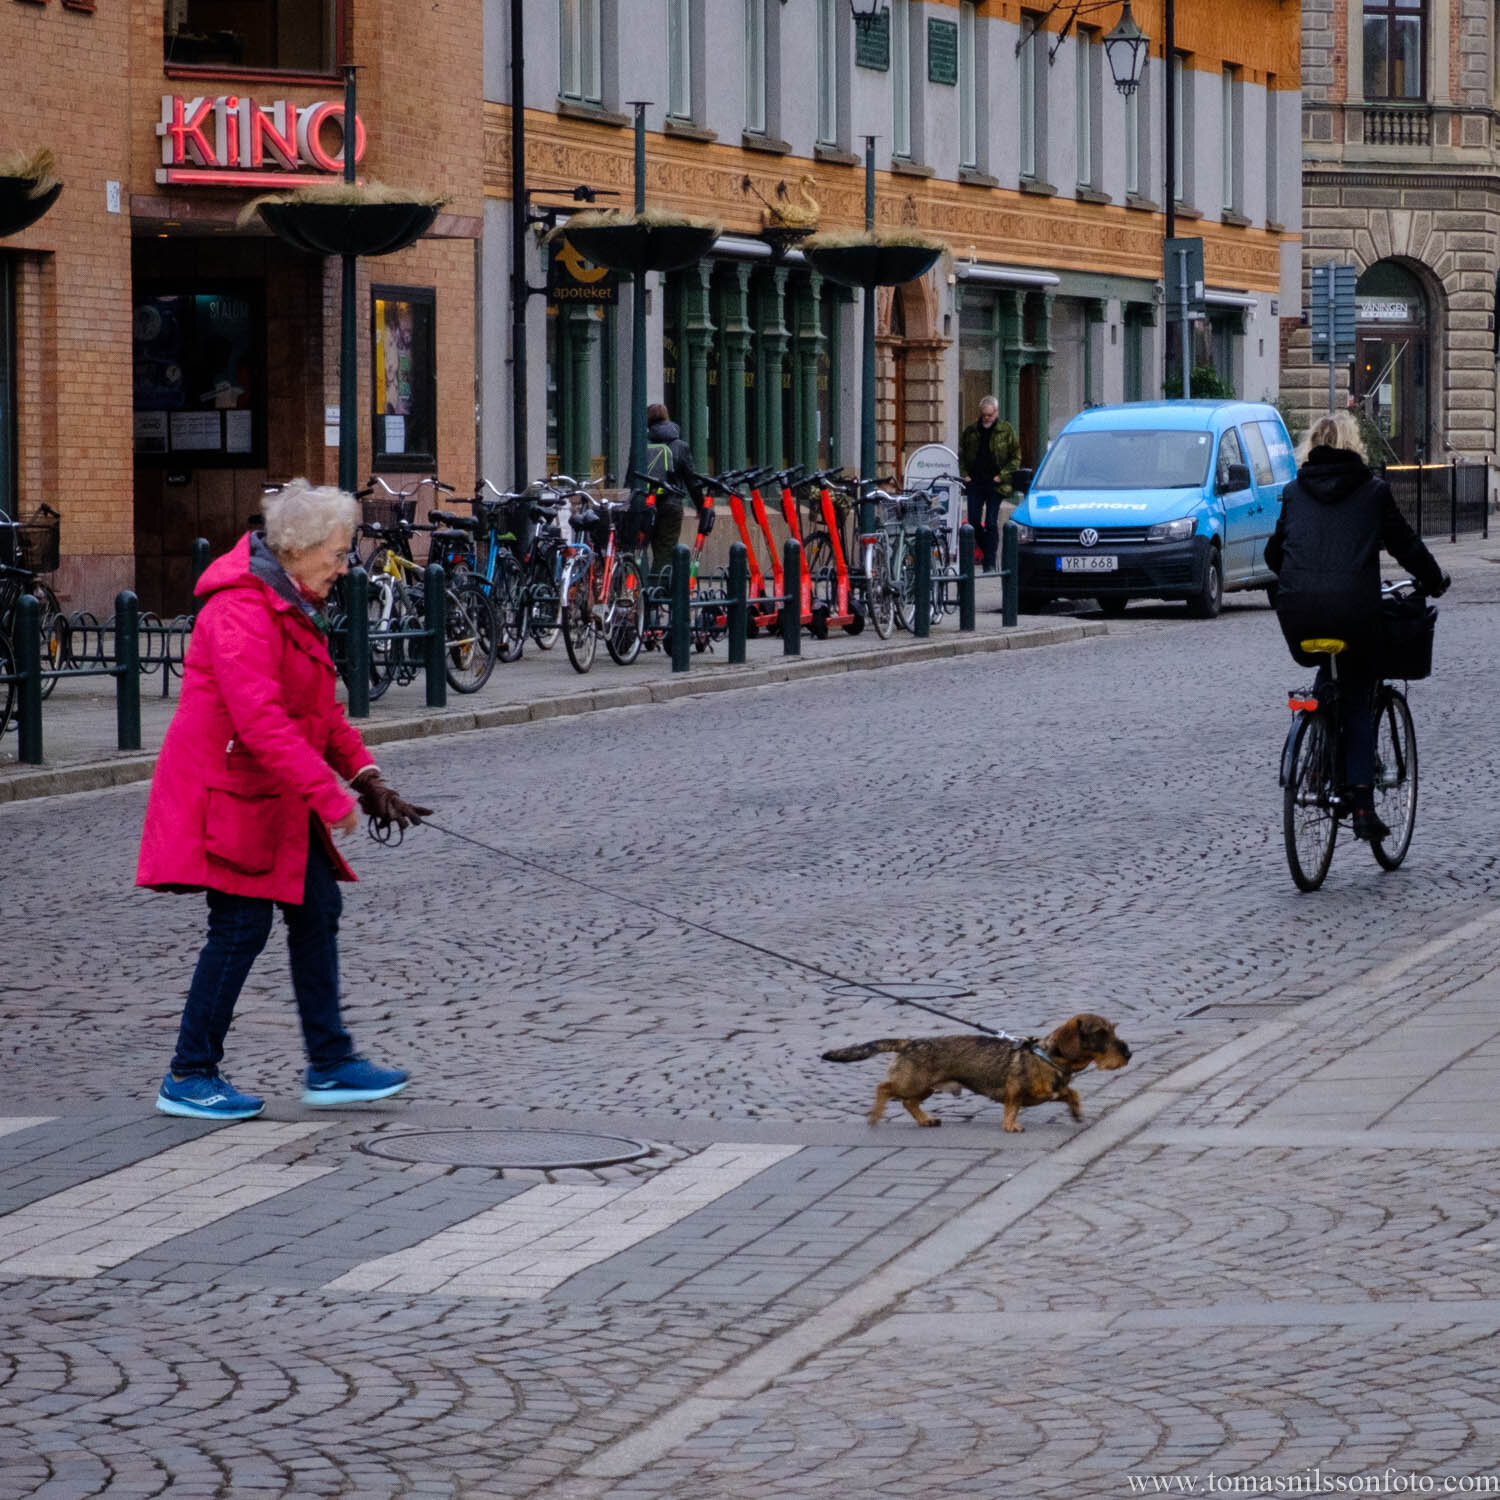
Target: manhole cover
(540, 1150)
(926, 990)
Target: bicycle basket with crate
(634, 523)
(33, 543)
(915, 509)
(389, 510)
(1410, 624)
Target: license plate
(1092, 563)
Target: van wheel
(1112, 605)
(1031, 604)
(1205, 604)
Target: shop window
(403, 353)
(296, 36)
(199, 374)
(1394, 46)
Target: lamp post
(867, 370)
(865, 12)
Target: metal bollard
(966, 577)
(921, 625)
(791, 606)
(357, 641)
(739, 603)
(436, 619)
(682, 614)
(29, 654)
(1010, 574)
(202, 556)
(127, 671)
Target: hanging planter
(28, 188)
(872, 258)
(346, 218)
(636, 243)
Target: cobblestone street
(1270, 1247)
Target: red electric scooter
(828, 565)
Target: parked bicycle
(28, 549)
(602, 586)
(889, 563)
(1315, 796)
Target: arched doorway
(1391, 362)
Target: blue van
(1155, 500)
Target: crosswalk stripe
(103, 1222)
(532, 1243)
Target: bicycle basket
(33, 543)
(634, 524)
(385, 510)
(1410, 624)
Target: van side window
(1283, 460)
(1230, 452)
(1260, 458)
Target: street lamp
(1125, 47)
(865, 12)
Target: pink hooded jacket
(253, 747)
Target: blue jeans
(238, 927)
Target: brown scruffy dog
(1015, 1072)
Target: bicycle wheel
(624, 611)
(384, 616)
(542, 616)
(469, 630)
(941, 562)
(904, 583)
(1395, 776)
(880, 596)
(55, 631)
(819, 555)
(7, 688)
(508, 596)
(1309, 819)
(580, 632)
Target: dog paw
(929, 1124)
(1015, 1129)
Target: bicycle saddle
(447, 518)
(1323, 646)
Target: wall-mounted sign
(234, 141)
(872, 43)
(1384, 310)
(571, 278)
(942, 51)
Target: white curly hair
(302, 516)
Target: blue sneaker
(353, 1081)
(198, 1097)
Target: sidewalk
(78, 720)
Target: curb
(132, 767)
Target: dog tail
(864, 1050)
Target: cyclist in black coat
(1335, 518)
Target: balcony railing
(1409, 125)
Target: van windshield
(1131, 460)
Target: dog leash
(390, 836)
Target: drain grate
(537, 1150)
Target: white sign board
(934, 468)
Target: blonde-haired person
(1335, 518)
(252, 782)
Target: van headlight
(1024, 533)
(1173, 531)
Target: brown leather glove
(384, 803)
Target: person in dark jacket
(1335, 517)
(988, 456)
(663, 432)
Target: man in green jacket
(988, 455)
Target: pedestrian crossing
(102, 1223)
(523, 1247)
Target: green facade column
(774, 342)
(578, 329)
(1093, 314)
(697, 327)
(734, 342)
(805, 383)
(1042, 359)
(1008, 306)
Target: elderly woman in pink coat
(253, 780)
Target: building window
(901, 78)
(1273, 206)
(755, 66)
(1182, 104)
(1033, 91)
(1231, 139)
(1394, 48)
(680, 59)
(829, 71)
(298, 36)
(582, 47)
(199, 373)
(1086, 106)
(968, 95)
(1133, 143)
(404, 381)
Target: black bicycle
(1315, 796)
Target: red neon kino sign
(232, 141)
